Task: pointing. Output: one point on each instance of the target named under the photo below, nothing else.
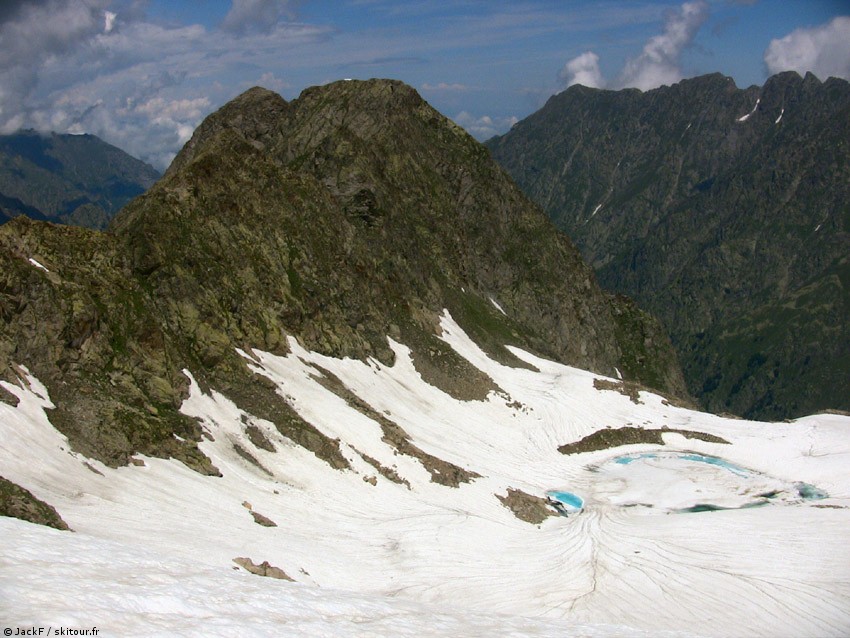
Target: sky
(142, 74)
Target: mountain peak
(252, 116)
(369, 109)
(709, 80)
(719, 209)
(376, 86)
(351, 218)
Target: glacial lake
(678, 482)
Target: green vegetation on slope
(733, 233)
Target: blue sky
(142, 74)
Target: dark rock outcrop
(722, 211)
(262, 569)
(17, 502)
(526, 507)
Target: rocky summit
(724, 212)
(349, 216)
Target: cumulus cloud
(33, 34)
(824, 50)
(584, 70)
(103, 67)
(660, 61)
(484, 127)
(270, 81)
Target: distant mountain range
(723, 211)
(70, 179)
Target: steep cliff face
(722, 211)
(352, 214)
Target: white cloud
(484, 127)
(72, 66)
(584, 70)
(160, 108)
(34, 34)
(824, 50)
(660, 61)
(270, 81)
(109, 21)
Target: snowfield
(154, 543)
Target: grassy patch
(258, 397)
(439, 365)
(489, 328)
(628, 435)
(630, 390)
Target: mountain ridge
(706, 202)
(71, 179)
(352, 214)
(307, 353)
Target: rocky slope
(353, 213)
(70, 179)
(722, 211)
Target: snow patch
(744, 118)
(498, 307)
(779, 119)
(595, 210)
(37, 264)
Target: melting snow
(77, 581)
(778, 119)
(498, 307)
(744, 118)
(153, 545)
(37, 265)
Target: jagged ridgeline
(725, 212)
(351, 214)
